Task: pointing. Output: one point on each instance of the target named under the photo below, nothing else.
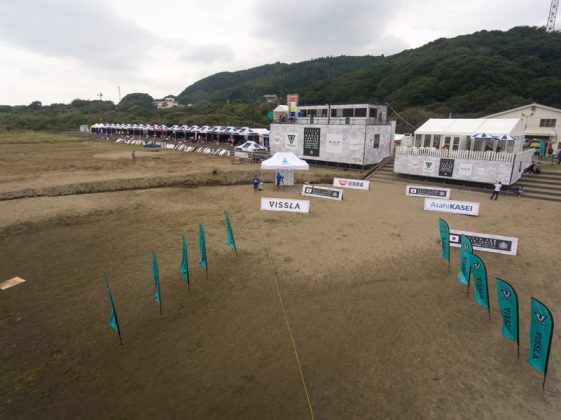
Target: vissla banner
(355, 184)
(458, 207)
(281, 204)
(322, 192)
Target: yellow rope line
(286, 320)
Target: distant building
(540, 123)
(353, 136)
(481, 150)
(271, 98)
(168, 102)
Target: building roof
(468, 127)
(524, 107)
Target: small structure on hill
(473, 150)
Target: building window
(418, 140)
(336, 112)
(360, 112)
(427, 141)
(322, 112)
(373, 112)
(548, 122)
(312, 112)
(436, 141)
(447, 142)
(348, 112)
(456, 144)
(376, 141)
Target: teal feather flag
(113, 321)
(230, 241)
(184, 268)
(202, 246)
(156, 275)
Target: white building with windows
(474, 150)
(540, 122)
(354, 136)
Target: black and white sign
(291, 141)
(281, 204)
(244, 155)
(458, 207)
(429, 166)
(484, 242)
(322, 192)
(355, 184)
(427, 191)
(446, 167)
(311, 141)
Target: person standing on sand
(279, 178)
(498, 187)
(133, 156)
(255, 183)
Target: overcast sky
(59, 50)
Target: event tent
(286, 164)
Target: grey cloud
(86, 31)
(208, 54)
(324, 26)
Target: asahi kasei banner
(508, 304)
(280, 204)
(355, 184)
(541, 332)
(465, 264)
(458, 207)
(444, 238)
(480, 281)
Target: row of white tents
(147, 129)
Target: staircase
(382, 170)
(545, 186)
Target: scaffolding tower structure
(552, 16)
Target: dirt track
(382, 329)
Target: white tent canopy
(285, 161)
(285, 164)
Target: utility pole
(119, 91)
(550, 27)
(100, 95)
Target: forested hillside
(279, 78)
(470, 75)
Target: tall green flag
(445, 240)
(156, 275)
(202, 247)
(508, 304)
(184, 268)
(480, 282)
(465, 253)
(230, 240)
(541, 333)
(113, 321)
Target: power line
(401, 118)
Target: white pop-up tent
(285, 164)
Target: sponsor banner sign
(311, 141)
(484, 242)
(465, 169)
(334, 142)
(355, 184)
(446, 167)
(292, 102)
(428, 191)
(291, 141)
(281, 204)
(241, 154)
(277, 140)
(322, 192)
(428, 166)
(450, 206)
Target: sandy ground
(382, 329)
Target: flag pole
(161, 306)
(548, 348)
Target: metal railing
(455, 154)
(333, 121)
